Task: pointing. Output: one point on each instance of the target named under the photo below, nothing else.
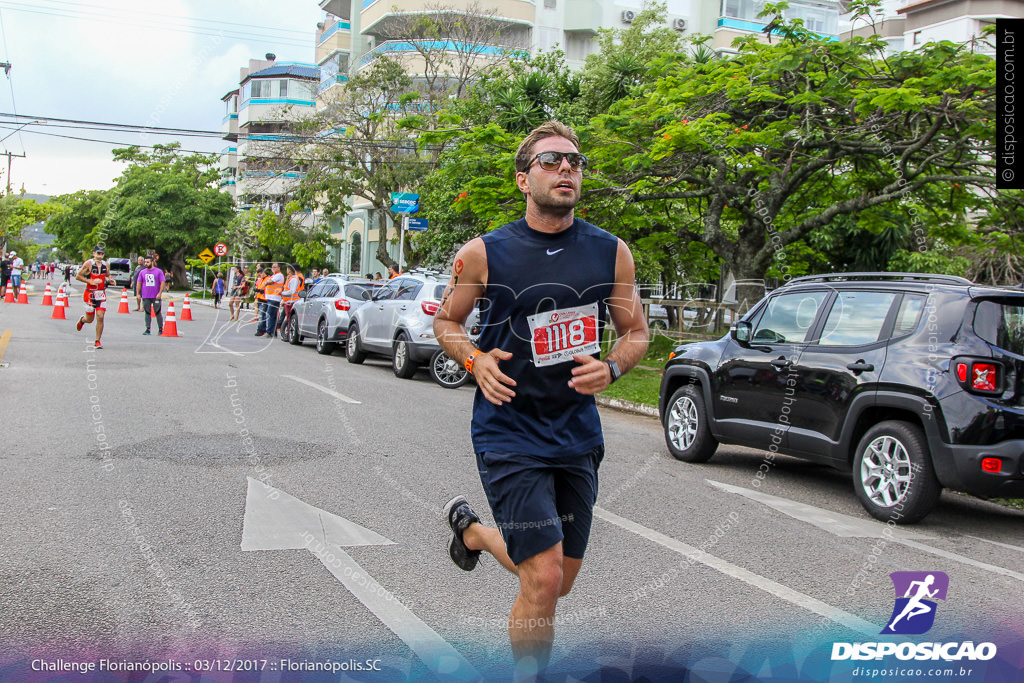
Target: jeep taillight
(984, 376)
(342, 304)
(980, 376)
(430, 307)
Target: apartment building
(911, 25)
(258, 123)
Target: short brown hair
(549, 129)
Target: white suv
(399, 322)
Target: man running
(95, 273)
(150, 283)
(548, 279)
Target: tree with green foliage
(473, 188)
(750, 155)
(73, 218)
(164, 200)
(16, 214)
(289, 237)
(364, 153)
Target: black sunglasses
(552, 161)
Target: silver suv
(324, 311)
(399, 322)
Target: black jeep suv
(914, 382)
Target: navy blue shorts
(538, 501)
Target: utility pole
(9, 156)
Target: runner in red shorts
(95, 273)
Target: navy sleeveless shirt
(544, 302)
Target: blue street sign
(418, 224)
(405, 202)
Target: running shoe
(458, 516)
(146, 332)
(78, 325)
(97, 344)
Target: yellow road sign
(206, 255)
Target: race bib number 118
(559, 335)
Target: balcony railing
(330, 29)
(405, 46)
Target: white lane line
(846, 526)
(1001, 545)
(329, 392)
(797, 598)
(965, 560)
(435, 652)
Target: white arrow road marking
(777, 589)
(1001, 545)
(275, 520)
(329, 392)
(846, 526)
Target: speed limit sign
(220, 249)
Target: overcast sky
(164, 63)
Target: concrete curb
(627, 406)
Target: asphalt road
(127, 471)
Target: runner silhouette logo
(916, 593)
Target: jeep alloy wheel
(893, 473)
(686, 426)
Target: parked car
(121, 271)
(399, 322)
(911, 381)
(324, 311)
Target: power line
(243, 157)
(191, 132)
(217, 22)
(195, 30)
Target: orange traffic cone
(23, 294)
(48, 296)
(186, 310)
(58, 308)
(123, 306)
(170, 326)
(9, 296)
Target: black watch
(614, 367)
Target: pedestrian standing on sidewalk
(17, 267)
(238, 285)
(151, 287)
(135, 283)
(218, 289)
(549, 280)
(5, 272)
(273, 287)
(261, 297)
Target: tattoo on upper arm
(450, 289)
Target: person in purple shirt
(151, 285)
(218, 290)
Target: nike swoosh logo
(552, 253)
